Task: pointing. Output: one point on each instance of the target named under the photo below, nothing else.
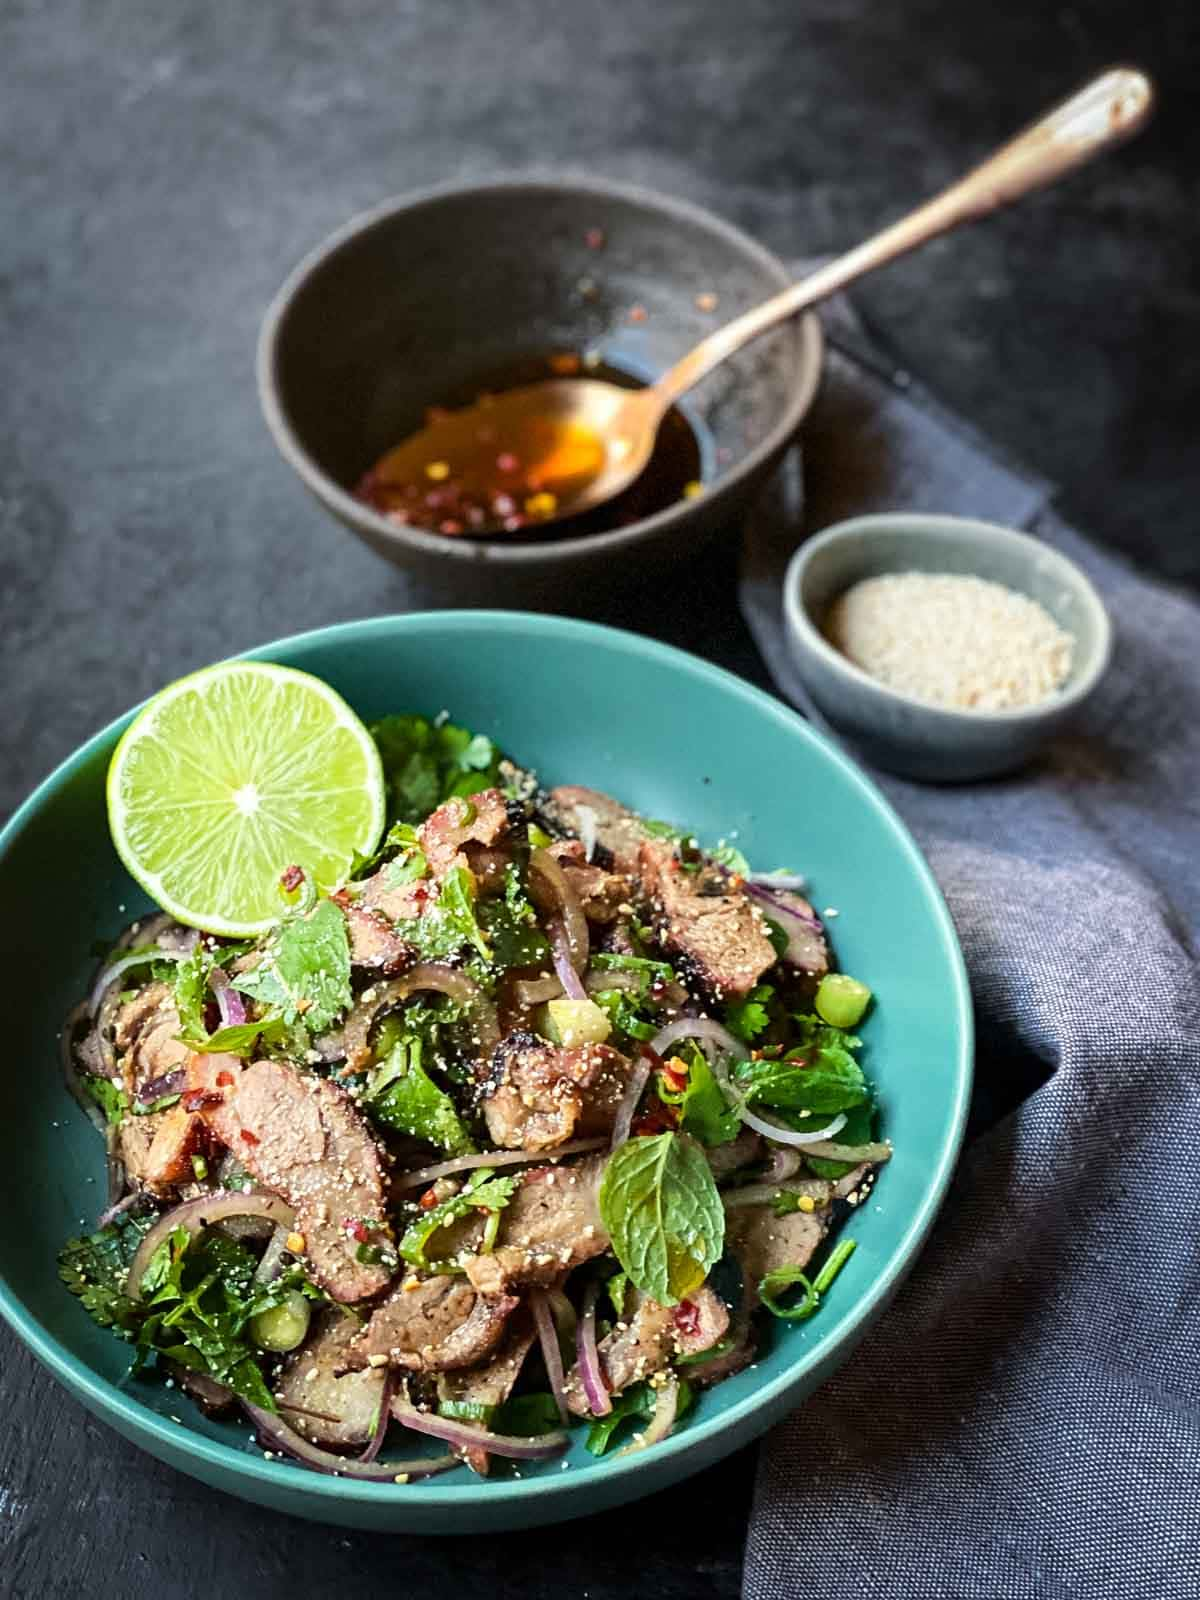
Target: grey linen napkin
(1025, 1420)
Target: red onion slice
(588, 1359)
(229, 1002)
(195, 1215)
(169, 1083)
(706, 1028)
(70, 1070)
(572, 985)
(551, 1354)
(762, 1194)
(467, 1436)
(434, 975)
(387, 1394)
(778, 880)
(274, 1431)
(117, 1210)
(643, 1066)
(423, 1176)
(553, 893)
(855, 1154)
(666, 1406)
(113, 971)
(586, 820)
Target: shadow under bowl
(413, 303)
(895, 731)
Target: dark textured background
(163, 167)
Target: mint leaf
(526, 1415)
(730, 857)
(660, 1205)
(704, 1111)
(819, 1076)
(402, 1096)
(304, 973)
(241, 1038)
(637, 1402)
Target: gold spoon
(598, 436)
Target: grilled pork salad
(537, 1121)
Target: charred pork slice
(467, 833)
(491, 1384)
(707, 920)
(310, 1382)
(648, 1339)
(601, 893)
(146, 1038)
(763, 1242)
(539, 1095)
(435, 1324)
(618, 831)
(375, 946)
(302, 1138)
(806, 949)
(550, 1226)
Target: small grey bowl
(411, 302)
(905, 735)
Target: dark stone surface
(163, 166)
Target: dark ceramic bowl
(413, 302)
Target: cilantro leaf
(483, 1192)
(747, 1018)
(240, 1038)
(111, 1099)
(510, 925)
(401, 1095)
(703, 1110)
(730, 857)
(660, 1205)
(95, 1269)
(304, 972)
(426, 762)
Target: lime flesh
(230, 776)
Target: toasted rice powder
(951, 640)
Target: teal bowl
(675, 737)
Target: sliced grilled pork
(601, 893)
(704, 918)
(649, 1336)
(435, 1324)
(618, 831)
(375, 946)
(466, 833)
(146, 1038)
(311, 1380)
(763, 1242)
(551, 1225)
(539, 1095)
(301, 1137)
(492, 1383)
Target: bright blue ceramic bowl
(676, 738)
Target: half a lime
(230, 776)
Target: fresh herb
(604, 962)
(859, 1128)
(402, 1096)
(818, 1077)
(483, 1192)
(704, 1111)
(510, 925)
(241, 1038)
(747, 1018)
(426, 762)
(617, 1289)
(666, 830)
(526, 1415)
(639, 1402)
(786, 1277)
(304, 972)
(198, 1296)
(701, 1357)
(779, 937)
(626, 1014)
(163, 1103)
(661, 1207)
(467, 1411)
(111, 1099)
(730, 857)
(190, 986)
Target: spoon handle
(1103, 114)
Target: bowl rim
(949, 531)
(173, 1440)
(474, 552)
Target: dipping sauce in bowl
(461, 476)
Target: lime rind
(231, 774)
